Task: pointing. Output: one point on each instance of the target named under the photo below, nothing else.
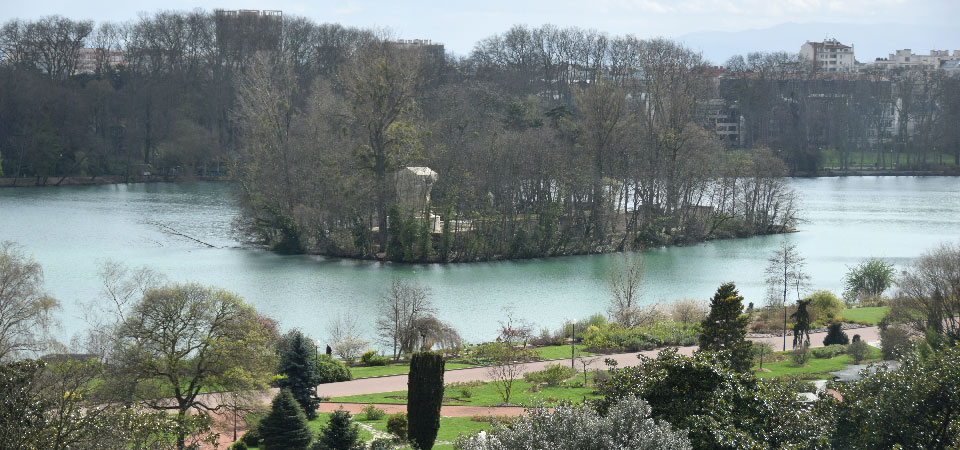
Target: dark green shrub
(800, 354)
(397, 425)
(424, 398)
(251, 437)
(370, 358)
(829, 351)
(894, 342)
(371, 412)
(382, 444)
(552, 375)
(239, 445)
(836, 335)
(332, 370)
(339, 434)
(858, 351)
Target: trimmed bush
(239, 445)
(397, 425)
(424, 398)
(552, 375)
(836, 335)
(858, 351)
(332, 370)
(370, 358)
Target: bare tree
(25, 309)
(626, 278)
(929, 293)
(344, 332)
(785, 272)
(507, 354)
(400, 310)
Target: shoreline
(10, 182)
(101, 180)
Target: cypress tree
(298, 361)
(339, 434)
(424, 397)
(286, 425)
(725, 328)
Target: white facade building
(906, 58)
(829, 55)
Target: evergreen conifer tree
(285, 427)
(725, 328)
(298, 361)
(339, 434)
(424, 398)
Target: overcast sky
(459, 25)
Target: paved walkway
(399, 382)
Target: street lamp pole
(573, 342)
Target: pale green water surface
(69, 229)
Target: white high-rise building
(829, 56)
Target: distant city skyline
(719, 28)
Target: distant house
(413, 186)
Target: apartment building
(829, 55)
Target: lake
(70, 229)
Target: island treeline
(544, 141)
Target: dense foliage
(722, 409)
(627, 425)
(836, 335)
(340, 433)
(868, 279)
(330, 370)
(914, 406)
(725, 328)
(298, 363)
(424, 398)
(285, 426)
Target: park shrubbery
(619, 338)
(371, 358)
(829, 351)
(332, 370)
(552, 375)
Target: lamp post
(316, 359)
(573, 342)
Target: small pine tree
(285, 427)
(836, 335)
(339, 434)
(298, 363)
(725, 328)
(424, 398)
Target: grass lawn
(394, 369)
(816, 368)
(871, 314)
(560, 351)
(485, 394)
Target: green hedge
(618, 338)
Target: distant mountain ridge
(869, 41)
